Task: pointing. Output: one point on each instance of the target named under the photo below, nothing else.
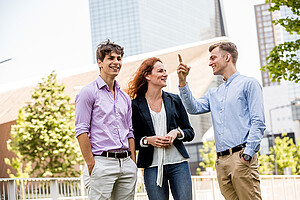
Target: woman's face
(158, 76)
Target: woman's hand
(171, 136)
(158, 141)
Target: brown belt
(123, 154)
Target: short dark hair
(106, 47)
(228, 47)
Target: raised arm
(182, 72)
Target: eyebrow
(110, 56)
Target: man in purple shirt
(104, 130)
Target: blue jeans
(179, 177)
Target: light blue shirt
(237, 112)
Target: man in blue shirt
(237, 112)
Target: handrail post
(273, 196)
(213, 188)
(82, 188)
(54, 189)
(11, 189)
(194, 181)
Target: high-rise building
(266, 38)
(270, 35)
(143, 26)
(281, 101)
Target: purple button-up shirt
(106, 119)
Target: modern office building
(282, 101)
(143, 26)
(269, 35)
(266, 38)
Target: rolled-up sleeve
(83, 110)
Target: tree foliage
(44, 132)
(287, 156)
(283, 61)
(23, 170)
(266, 164)
(209, 155)
(285, 150)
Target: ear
(227, 57)
(99, 62)
(147, 77)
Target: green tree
(287, 155)
(283, 61)
(209, 155)
(44, 132)
(297, 158)
(285, 150)
(266, 163)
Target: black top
(143, 126)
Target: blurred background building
(282, 101)
(143, 26)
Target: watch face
(145, 141)
(246, 157)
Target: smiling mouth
(114, 67)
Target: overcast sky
(44, 35)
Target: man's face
(111, 64)
(218, 61)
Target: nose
(210, 63)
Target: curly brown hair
(138, 84)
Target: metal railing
(281, 187)
(42, 188)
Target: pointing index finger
(179, 57)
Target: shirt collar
(101, 83)
(231, 78)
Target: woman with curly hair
(161, 125)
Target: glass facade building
(281, 100)
(269, 35)
(265, 37)
(143, 26)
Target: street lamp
(3, 61)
